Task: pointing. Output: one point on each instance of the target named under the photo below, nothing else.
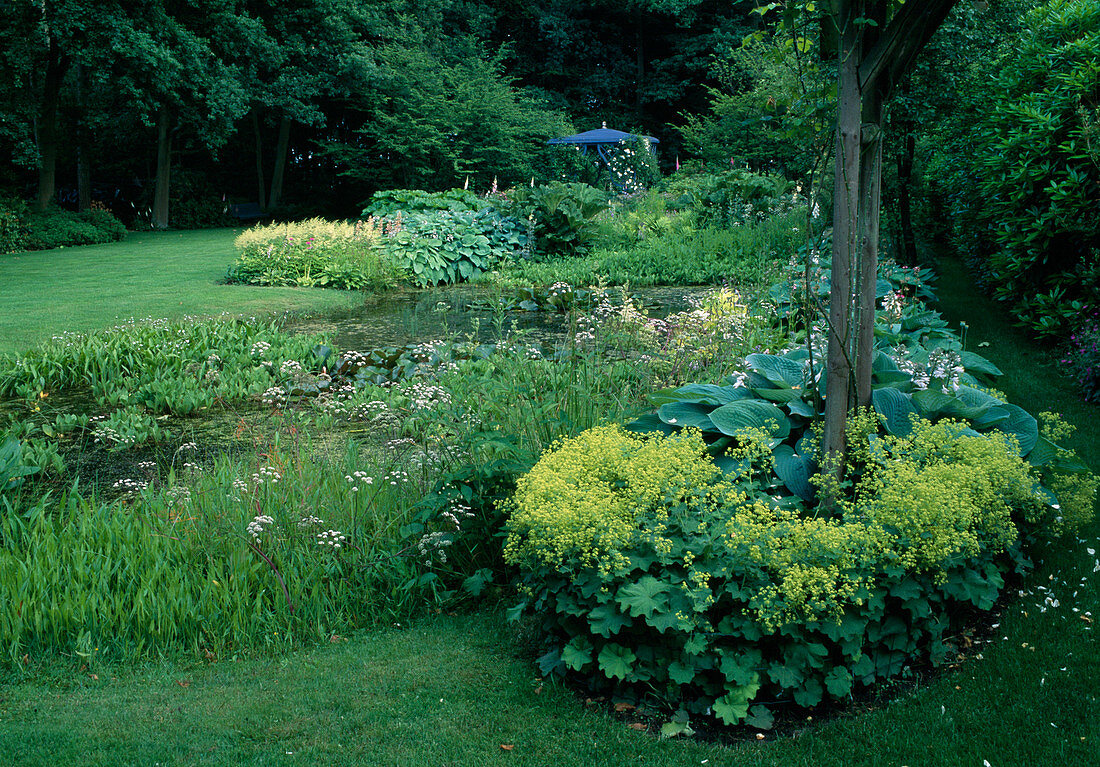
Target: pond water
(461, 311)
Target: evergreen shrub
(1024, 196)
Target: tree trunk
(838, 370)
(83, 161)
(280, 162)
(870, 203)
(260, 186)
(47, 128)
(164, 168)
(639, 63)
(905, 182)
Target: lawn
(157, 274)
(460, 689)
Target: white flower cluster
(310, 521)
(396, 477)
(268, 474)
(358, 480)
(130, 485)
(424, 396)
(893, 304)
(274, 396)
(291, 368)
(333, 538)
(178, 495)
(423, 352)
(456, 512)
(560, 289)
(256, 526)
(147, 465)
(213, 359)
(355, 360)
(944, 366)
(240, 486)
(366, 411)
(259, 349)
(187, 446)
(188, 466)
(434, 545)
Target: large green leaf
(895, 409)
(645, 597)
(709, 393)
(616, 661)
(650, 422)
(606, 620)
(738, 417)
(577, 654)
(976, 363)
(784, 373)
(1023, 426)
(688, 415)
(794, 470)
(732, 707)
(779, 395)
(838, 682)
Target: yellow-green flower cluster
(813, 566)
(946, 494)
(579, 506)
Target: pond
(461, 311)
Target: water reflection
(461, 311)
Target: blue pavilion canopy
(600, 138)
(602, 135)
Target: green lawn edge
(149, 274)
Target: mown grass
(455, 689)
(157, 274)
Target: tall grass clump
(270, 551)
(314, 253)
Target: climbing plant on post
(876, 43)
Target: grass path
(451, 690)
(158, 274)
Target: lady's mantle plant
(711, 586)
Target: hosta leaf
(738, 417)
(1043, 453)
(990, 418)
(650, 422)
(784, 373)
(800, 407)
(709, 393)
(976, 363)
(645, 597)
(1023, 426)
(931, 403)
(616, 661)
(895, 409)
(687, 415)
(732, 707)
(794, 470)
(779, 395)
